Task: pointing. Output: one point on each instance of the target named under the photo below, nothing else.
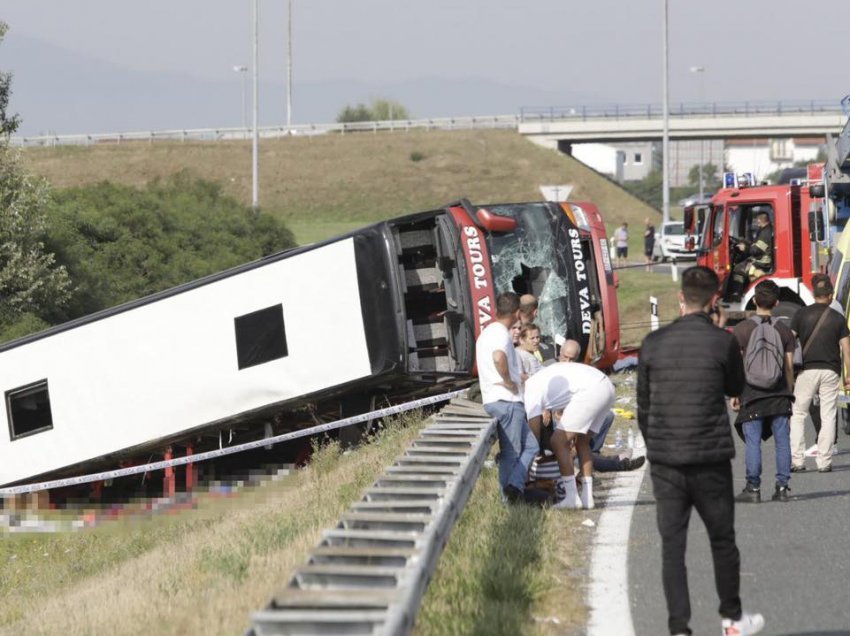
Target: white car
(670, 243)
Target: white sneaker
(746, 625)
(566, 495)
(812, 451)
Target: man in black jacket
(683, 416)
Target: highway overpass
(560, 127)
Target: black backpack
(763, 360)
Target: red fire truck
(806, 223)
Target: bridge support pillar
(565, 146)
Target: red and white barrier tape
(200, 457)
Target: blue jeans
(779, 424)
(598, 440)
(517, 445)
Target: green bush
(416, 156)
(119, 243)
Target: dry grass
(196, 573)
(352, 179)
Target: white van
(670, 243)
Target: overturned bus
(392, 309)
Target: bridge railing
(526, 114)
(239, 133)
(683, 109)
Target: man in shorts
(621, 240)
(579, 397)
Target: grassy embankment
(503, 567)
(327, 184)
(206, 570)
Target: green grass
(636, 286)
(306, 232)
(152, 575)
(322, 184)
(506, 566)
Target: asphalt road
(795, 556)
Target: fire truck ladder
(368, 574)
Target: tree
(350, 114)
(650, 190)
(120, 243)
(379, 110)
(387, 110)
(8, 123)
(33, 288)
(710, 178)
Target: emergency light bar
(732, 180)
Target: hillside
(327, 184)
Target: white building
(622, 162)
(634, 161)
(765, 156)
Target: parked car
(670, 243)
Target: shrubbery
(119, 243)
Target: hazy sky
(594, 50)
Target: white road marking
(608, 596)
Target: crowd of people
(771, 372)
(551, 410)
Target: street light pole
(243, 70)
(255, 146)
(289, 72)
(700, 70)
(665, 138)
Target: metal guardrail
(369, 573)
(266, 132)
(526, 114)
(654, 111)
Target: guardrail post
(169, 485)
(191, 470)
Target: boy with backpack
(764, 408)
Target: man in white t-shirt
(499, 374)
(580, 398)
(621, 240)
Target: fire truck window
(260, 337)
(718, 231)
(28, 410)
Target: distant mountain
(62, 92)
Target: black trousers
(708, 488)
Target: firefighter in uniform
(759, 260)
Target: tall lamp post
(289, 71)
(255, 144)
(240, 68)
(665, 135)
(700, 71)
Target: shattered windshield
(527, 262)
